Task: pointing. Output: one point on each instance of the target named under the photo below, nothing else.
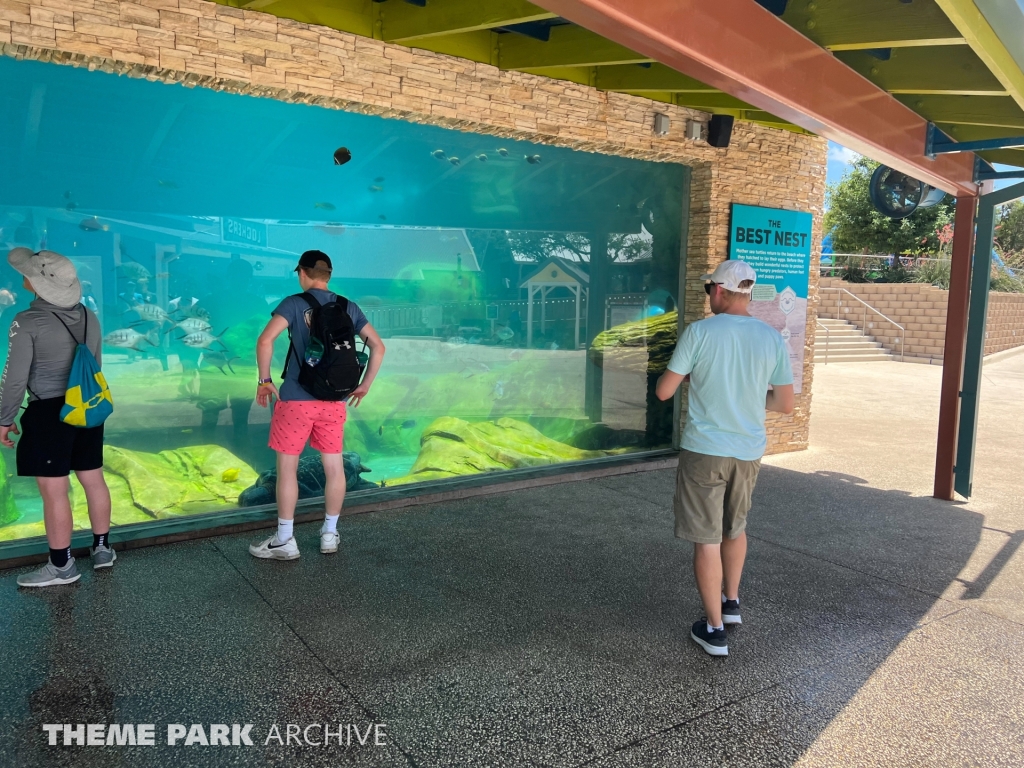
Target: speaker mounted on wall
(720, 130)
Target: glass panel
(527, 294)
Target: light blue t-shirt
(731, 360)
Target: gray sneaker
(50, 576)
(102, 557)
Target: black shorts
(50, 448)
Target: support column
(953, 351)
(599, 267)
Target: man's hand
(265, 394)
(5, 440)
(358, 394)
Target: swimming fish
(382, 217)
(150, 313)
(167, 184)
(230, 475)
(7, 298)
(324, 206)
(503, 152)
(71, 204)
(127, 338)
(135, 271)
(505, 333)
(376, 188)
(482, 157)
(379, 180)
(438, 153)
(408, 424)
(499, 390)
(532, 159)
(93, 224)
(202, 339)
(381, 430)
(193, 325)
(454, 161)
(193, 310)
(218, 360)
(515, 355)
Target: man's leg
(97, 496)
(734, 553)
(56, 514)
(707, 568)
(334, 493)
(287, 486)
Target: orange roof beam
(745, 51)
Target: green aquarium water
(528, 294)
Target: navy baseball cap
(314, 260)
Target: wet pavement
(550, 627)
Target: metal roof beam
(401, 22)
(569, 46)
(1001, 111)
(657, 77)
(846, 25)
(743, 50)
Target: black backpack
(331, 333)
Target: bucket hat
(53, 277)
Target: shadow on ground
(541, 627)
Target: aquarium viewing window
(528, 294)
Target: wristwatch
(261, 382)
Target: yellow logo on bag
(77, 409)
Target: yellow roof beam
(403, 21)
(986, 43)
(850, 25)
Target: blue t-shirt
(298, 313)
(731, 360)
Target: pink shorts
(296, 421)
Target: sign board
(243, 232)
(777, 244)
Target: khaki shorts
(713, 496)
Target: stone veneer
(203, 44)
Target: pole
(953, 350)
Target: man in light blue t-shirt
(730, 360)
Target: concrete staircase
(846, 344)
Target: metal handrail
(827, 338)
(864, 320)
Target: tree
(1010, 234)
(857, 227)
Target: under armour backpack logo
(338, 346)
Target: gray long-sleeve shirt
(41, 352)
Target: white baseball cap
(729, 275)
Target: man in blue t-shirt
(730, 360)
(298, 416)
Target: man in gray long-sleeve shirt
(43, 341)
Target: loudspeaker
(720, 130)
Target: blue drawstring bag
(87, 401)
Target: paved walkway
(549, 627)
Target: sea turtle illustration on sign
(787, 300)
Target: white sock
(284, 530)
(712, 629)
(725, 599)
(330, 524)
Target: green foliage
(1010, 234)
(856, 227)
(854, 274)
(1005, 282)
(933, 273)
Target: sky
(839, 159)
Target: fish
(454, 161)
(218, 360)
(499, 390)
(381, 430)
(93, 224)
(167, 184)
(503, 152)
(482, 157)
(438, 153)
(409, 424)
(193, 310)
(375, 188)
(7, 298)
(150, 313)
(382, 217)
(505, 333)
(230, 475)
(172, 305)
(516, 355)
(532, 159)
(379, 180)
(127, 338)
(71, 204)
(135, 271)
(324, 206)
(202, 339)
(193, 325)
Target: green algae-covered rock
(631, 346)
(451, 447)
(8, 510)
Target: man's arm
(265, 393)
(15, 380)
(668, 384)
(368, 334)
(780, 399)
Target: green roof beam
(847, 25)
(569, 46)
(353, 16)
(947, 70)
(998, 111)
(656, 78)
(401, 22)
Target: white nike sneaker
(329, 542)
(268, 550)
